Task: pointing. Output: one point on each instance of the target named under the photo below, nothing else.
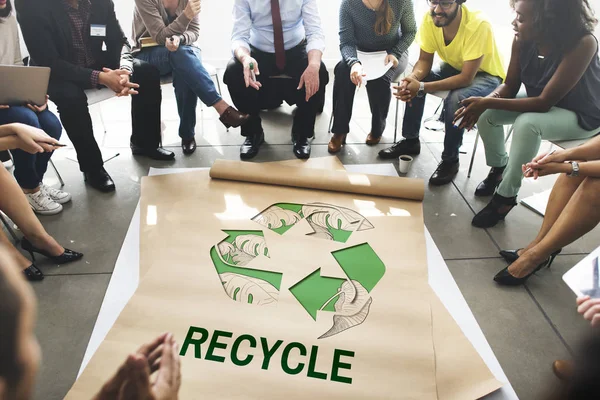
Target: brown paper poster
(285, 292)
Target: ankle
(31, 191)
(221, 106)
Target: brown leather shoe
(233, 118)
(336, 143)
(372, 140)
(563, 369)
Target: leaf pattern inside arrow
(349, 314)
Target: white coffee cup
(405, 162)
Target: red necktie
(278, 34)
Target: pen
(528, 170)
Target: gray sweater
(150, 19)
(357, 29)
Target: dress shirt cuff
(94, 78)
(236, 44)
(315, 44)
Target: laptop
(23, 85)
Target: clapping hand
(590, 309)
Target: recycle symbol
(348, 298)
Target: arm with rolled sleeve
(315, 37)
(347, 38)
(242, 24)
(408, 26)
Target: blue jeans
(482, 85)
(30, 168)
(190, 80)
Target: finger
(48, 148)
(247, 76)
(2, 107)
(123, 72)
(581, 300)
(301, 84)
(107, 70)
(147, 348)
(165, 373)
(596, 320)
(589, 314)
(31, 108)
(155, 354)
(116, 381)
(586, 305)
(176, 364)
(256, 85)
(141, 380)
(132, 85)
(256, 70)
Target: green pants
(529, 130)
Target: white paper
(538, 202)
(584, 278)
(374, 64)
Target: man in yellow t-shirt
(471, 66)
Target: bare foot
(525, 264)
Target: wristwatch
(575, 166)
(421, 91)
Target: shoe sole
(48, 212)
(62, 201)
(141, 153)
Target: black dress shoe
(251, 146)
(302, 148)
(488, 186)
(445, 172)
(99, 179)
(494, 212)
(513, 255)
(33, 274)
(66, 257)
(188, 146)
(505, 278)
(405, 147)
(159, 153)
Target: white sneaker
(57, 195)
(42, 204)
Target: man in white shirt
(277, 49)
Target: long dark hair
(562, 23)
(6, 11)
(384, 18)
(10, 314)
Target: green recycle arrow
(360, 263)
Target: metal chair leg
(8, 227)
(473, 155)
(396, 120)
(60, 179)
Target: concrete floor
(528, 327)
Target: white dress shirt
(253, 25)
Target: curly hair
(561, 23)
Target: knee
(24, 115)
(234, 73)
(452, 103)
(341, 70)
(527, 124)
(68, 96)
(146, 73)
(52, 125)
(485, 121)
(324, 76)
(590, 187)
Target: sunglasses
(445, 4)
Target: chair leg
(330, 122)
(9, 228)
(396, 120)
(473, 155)
(60, 179)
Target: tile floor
(528, 327)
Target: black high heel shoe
(505, 278)
(33, 274)
(513, 255)
(66, 257)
